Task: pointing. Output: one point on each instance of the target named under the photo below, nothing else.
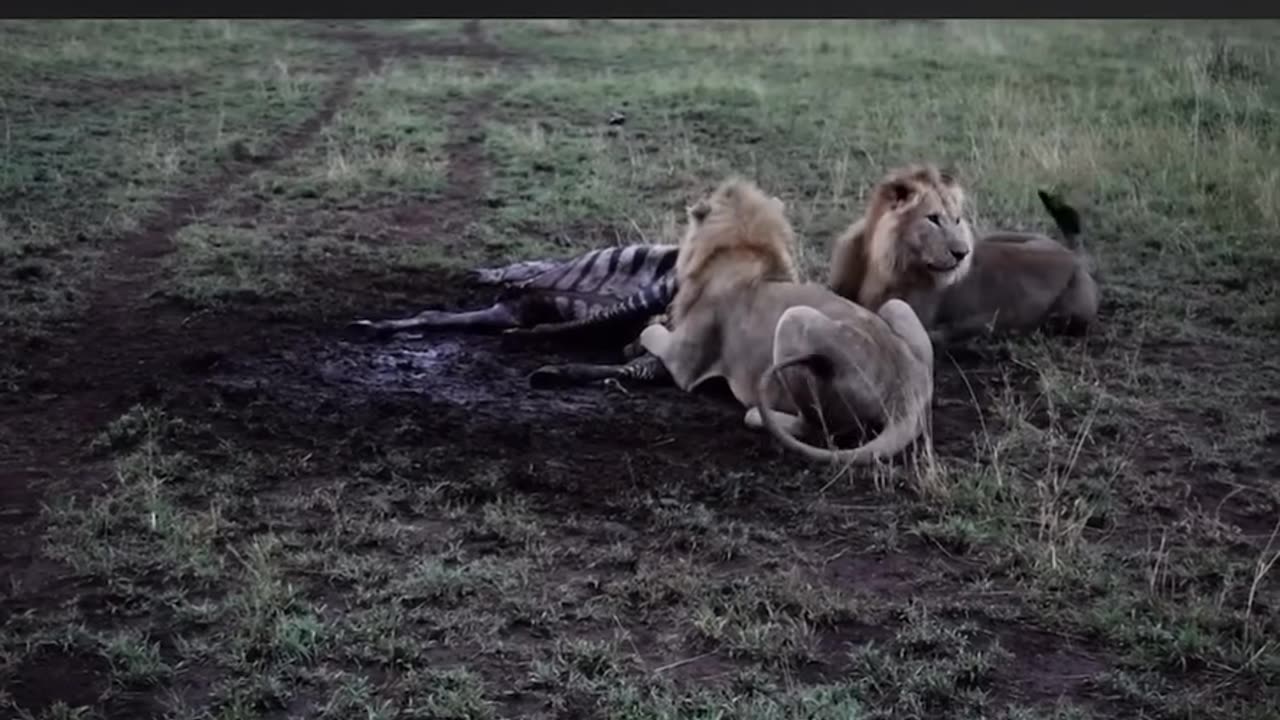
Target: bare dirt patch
(1046, 667)
(51, 676)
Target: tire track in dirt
(466, 173)
(377, 46)
(118, 352)
(125, 347)
(111, 356)
(466, 180)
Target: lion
(741, 312)
(912, 234)
(914, 243)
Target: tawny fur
(913, 236)
(1006, 283)
(736, 236)
(740, 309)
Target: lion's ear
(699, 211)
(898, 192)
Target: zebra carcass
(610, 290)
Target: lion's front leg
(975, 326)
(657, 340)
(681, 353)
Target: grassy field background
(195, 524)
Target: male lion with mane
(914, 243)
(741, 312)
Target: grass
(102, 120)
(1095, 537)
(384, 150)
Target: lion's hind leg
(1076, 308)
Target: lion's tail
(1067, 219)
(895, 437)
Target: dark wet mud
(486, 376)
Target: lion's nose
(959, 254)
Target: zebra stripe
(666, 264)
(637, 260)
(604, 271)
(621, 281)
(557, 280)
(649, 300)
(584, 271)
(614, 256)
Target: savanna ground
(214, 504)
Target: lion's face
(932, 233)
(938, 242)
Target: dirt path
(128, 343)
(466, 179)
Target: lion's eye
(935, 218)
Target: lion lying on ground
(914, 243)
(740, 312)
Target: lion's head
(736, 234)
(914, 233)
(915, 223)
(738, 219)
